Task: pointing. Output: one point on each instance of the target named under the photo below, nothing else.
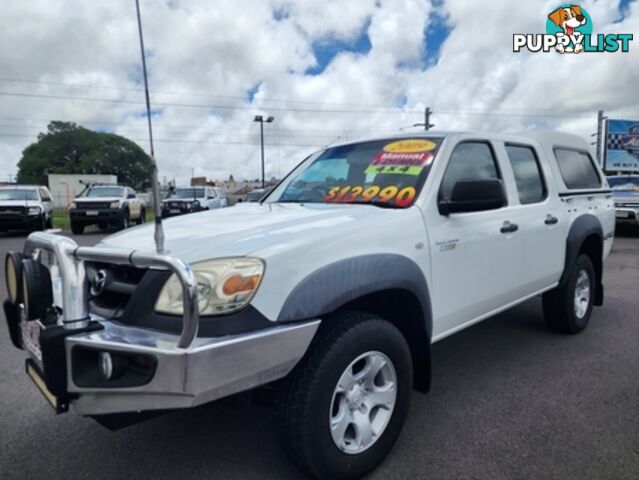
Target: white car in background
(193, 199)
(105, 205)
(25, 207)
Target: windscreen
(188, 193)
(629, 183)
(103, 192)
(18, 194)
(388, 173)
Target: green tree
(70, 148)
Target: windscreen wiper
(372, 203)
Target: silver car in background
(625, 193)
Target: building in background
(65, 187)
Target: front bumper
(211, 368)
(183, 370)
(627, 215)
(94, 216)
(20, 222)
(175, 211)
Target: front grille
(93, 205)
(13, 210)
(112, 287)
(179, 205)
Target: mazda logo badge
(98, 282)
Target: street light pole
(261, 119)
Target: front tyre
(123, 221)
(77, 228)
(342, 408)
(142, 218)
(567, 309)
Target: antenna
(158, 235)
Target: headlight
(34, 211)
(114, 205)
(195, 204)
(223, 285)
(72, 205)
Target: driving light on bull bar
(37, 292)
(223, 286)
(105, 365)
(13, 275)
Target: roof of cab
(551, 138)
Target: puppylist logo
(569, 30)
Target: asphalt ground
(510, 400)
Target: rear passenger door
(475, 260)
(537, 210)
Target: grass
(61, 218)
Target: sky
(326, 70)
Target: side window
(577, 169)
(528, 176)
(212, 193)
(469, 161)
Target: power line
(199, 105)
(213, 142)
(191, 94)
(441, 111)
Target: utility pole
(600, 139)
(427, 125)
(261, 119)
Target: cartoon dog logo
(568, 19)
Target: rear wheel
(77, 228)
(342, 408)
(568, 308)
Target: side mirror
(474, 196)
(131, 195)
(47, 199)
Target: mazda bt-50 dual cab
(105, 205)
(330, 290)
(25, 207)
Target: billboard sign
(622, 146)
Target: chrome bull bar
(70, 259)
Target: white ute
(331, 289)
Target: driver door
(476, 263)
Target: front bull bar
(75, 295)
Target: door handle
(550, 220)
(509, 227)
